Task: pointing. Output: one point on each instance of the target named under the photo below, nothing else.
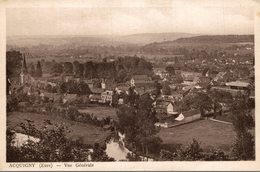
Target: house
(252, 94)
(165, 108)
(160, 72)
(94, 98)
(120, 101)
(97, 90)
(221, 76)
(233, 92)
(107, 97)
(177, 96)
(238, 85)
(190, 78)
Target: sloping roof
(94, 96)
(163, 104)
(220, 75)
(238, 84)
(97, 90)
(191, 112)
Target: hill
(94, 40)
(202, 41)
(146, 38)
(217, 39)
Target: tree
(76, 68)
(244, 147)
(121, 76)
(170, 69)
(133, 157)
(38, 72)
(32, 70)
(158, 88)
(177, 78)
(83, 88)
(137, 122)
(197, 100)
(166, 90)
(68, 67)
(52, 145)
(99, 154)
(56, 68)
(62, 88)
(24, 66)
(219, 97)
(132, 97)
(13, 63)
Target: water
(116, 149)
(21, 139)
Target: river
(114, 148)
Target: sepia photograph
(130, 82)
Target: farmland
(210, 134)
(88, 133)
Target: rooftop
(191, 112)
(238, 84)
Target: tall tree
(244, 147)
(32, 70)
(76, 67)
(166, 90)
(24, 66)
(13, 63)
(137, 122)
(38, 72)
(68, 67)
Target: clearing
(208, 133)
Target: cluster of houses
(104, 91)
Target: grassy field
(100, 111)
(210, 134)
(89, 133)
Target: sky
(131, 17)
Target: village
(165, 91)
(149, 81)
(180, 99)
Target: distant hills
(217, 39)
(135, 39)
(106, 40)
(147, 38)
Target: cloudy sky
(199, 16)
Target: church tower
(103, 84)
(132, 82)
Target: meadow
(89, 134)
(208, 133)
